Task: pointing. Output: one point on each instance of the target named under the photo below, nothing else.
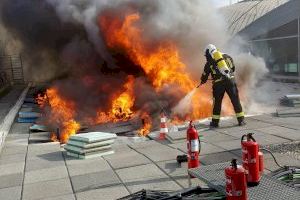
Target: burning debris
(118, 60)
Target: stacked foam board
(28, 117)
(292, 100)
(295, 112)
(90, 145)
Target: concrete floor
(43, 170)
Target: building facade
(272, 28)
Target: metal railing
(11, 70)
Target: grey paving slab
(12, 138)
(18, 141)
(43, 164)
(108, 193)
(126, 159)
(218, 137)
(206, 148)
(253, 123)
(229, 145)
(14, 150)
(87, 166)
(47, 189)
(160, 152)
(141, 172)
(237, 152)
(12, 168)
(207, 132)
(15, 158)
(180, 146)
(236, 133)
(39, 137)
(11, 180)
(264, 117)
(267, 139)
(62, 197)
(183, 181)
(106, 178)
(289, 122)
(153, 184)
(176, 135)
(45, 174)
(282, 160)
(19, 128)
(145, 144)
(11, 193)
(45, 155)
(117, 147)
(218, 158)
(172, 168)
(291, 126)
(44, 147)
(286, 133)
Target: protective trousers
(219, 89)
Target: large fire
(162, 66)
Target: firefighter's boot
(241, 121)
(214, 124)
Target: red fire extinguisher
(252, 159)
(193, 146)
(236, 184)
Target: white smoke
(190, 24)
(193, 24)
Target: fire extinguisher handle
(250, 135)
(234, 163)
(243, 137)
(199, 144)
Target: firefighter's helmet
(210, 49)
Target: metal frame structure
(12, 67)
(268, 188)
(299, 46)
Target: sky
(220, 3)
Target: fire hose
(288, 174)
(185, 194)
(270, 152)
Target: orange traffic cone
(163, 127)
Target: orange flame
(121, 108)
(53, 137)
(162, 64)
(41, 100)
(62, 113)
(147, 124)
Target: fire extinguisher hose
(289, 174)
(199, 144)
(270, 152)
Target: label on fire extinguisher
(194, 145)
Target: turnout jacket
(211, 68)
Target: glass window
(288, 29)
(281, 55)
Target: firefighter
(221, 68)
